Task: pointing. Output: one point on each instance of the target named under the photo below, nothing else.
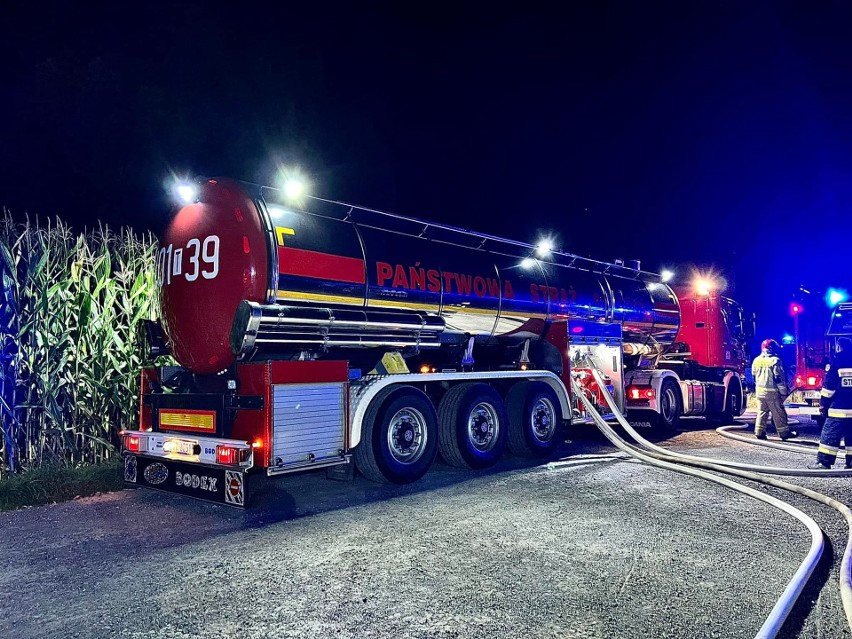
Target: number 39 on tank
(202, 257)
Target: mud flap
(219, 485)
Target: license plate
(811, 394)
(179, 446)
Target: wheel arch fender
(733, 380)
(362, 395)
(561, 393)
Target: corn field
(70, 311)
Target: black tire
(535, 419)
(733, 406)
(671, 407)
(473, 426)
(396, 417)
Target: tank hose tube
(772, 625)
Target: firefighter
(771, 390)
(835, 404)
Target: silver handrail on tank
(560, 258)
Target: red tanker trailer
(324, 334)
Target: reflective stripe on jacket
(836, 393)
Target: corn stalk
(71, 308)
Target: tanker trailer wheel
(473, 426)
(535, 418)
(670, 407)
(399, 436)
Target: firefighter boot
(819, 466)
(790, 434)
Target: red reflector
(131, 443)
(246, 246)
(226, 455)
(230, 455)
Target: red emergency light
(796, 308)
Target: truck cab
(703, 372)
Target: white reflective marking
(176, 262)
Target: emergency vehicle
(314, 333)
(815, 354)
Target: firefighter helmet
(769, 345)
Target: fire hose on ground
(805, 448)
(772, 624)
(785, 603)
(797, 447)
(743, 470)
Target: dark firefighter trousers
(829, 442)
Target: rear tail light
(641, 392)
(231, 454)
(131, 443)
(812, 381)
(799, 381)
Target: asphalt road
(600, 547)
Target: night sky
(710, 133)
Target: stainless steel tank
(242, 269)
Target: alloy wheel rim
(483, 427)
(407, 435)
(543, 420)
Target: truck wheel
(473, 425)
(733, 406)
(399, 436)
(535, 418)
(670, 407)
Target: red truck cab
(713, 328)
